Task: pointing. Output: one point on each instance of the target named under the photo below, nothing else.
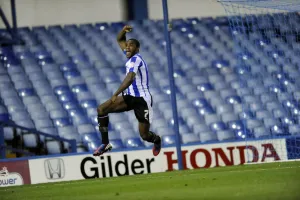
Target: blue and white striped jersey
(140, 86)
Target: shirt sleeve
(135, 63)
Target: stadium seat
(117, 144)
(30, 140)
(225, 135)
(208, 137)
(168, 140)
(294, 129)
(278, 130)
(261, 131)
(43, 123)
(133, 143)
(212, 118)
(8, 132)
(53, 147)
(189, 138)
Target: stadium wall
(52, 12)
(59, 168)
(186, 8)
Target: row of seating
(229, 86)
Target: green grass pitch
(262, 181)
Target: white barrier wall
(186, 8)
(51, 12)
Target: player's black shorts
(140, 107)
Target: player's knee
(144, 136)
(101, 110)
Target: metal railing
(11, 124)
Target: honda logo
(54, 168)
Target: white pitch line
(148, 176)
(278, 161)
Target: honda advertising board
(142, 161)
(14, 173)
(227, 154)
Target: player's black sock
(103, 128)
(152, 137)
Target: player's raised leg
(150, 136)
(103, 110)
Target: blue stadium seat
(224, 108)
(236, 125)
(225, 135)
(116, 143)
(79, 88)
(24, 55)
(243, 134)
(58, 90)
(89, 103)
(168, 140)
(78, 117)
(200, 128)
(53, 147)
(208, 136)
(20, 115)
(189, 138)
(294, 129)
(261, 132)
(204, 87)
(30, 140)
(68, 66)
(71, 73)
(110, 79)
(218, 126)
(41, 55)
(12, 70)
(234, 99)
(200, 103)
(246, 114)
(60, 122)
(26, 92)
(207, 110)
(27, 123)
(276, 88)
(23, 85)
(278, 130)
(220, 64)
(93, 145)
(70, 105)
(66, 97)
(133, 143)
(57, 82)
(90, 137)
(120, 126)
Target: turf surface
(264, 181)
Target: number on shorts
(146, 114)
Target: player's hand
(127, 28)
(113, 98)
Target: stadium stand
(55, 82)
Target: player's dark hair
(136, 42)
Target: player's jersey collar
(137, 54)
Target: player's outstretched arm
(121, 38)
(124, 85)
